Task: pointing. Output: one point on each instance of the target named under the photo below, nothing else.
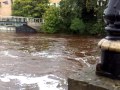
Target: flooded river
(43, 62)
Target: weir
(10, 23)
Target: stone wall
(25, 29)
(86, 79)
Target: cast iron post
(110, 45)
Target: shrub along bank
(71, 16)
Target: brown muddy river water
(43, 62)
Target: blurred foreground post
(110, 45)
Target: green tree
(30, 8)
(77, 26)
(69, 9)
(89, 11)
(97, 28)
(51, 20)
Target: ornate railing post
(110, 45)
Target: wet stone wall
(88, 80)
(25, 29)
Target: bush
(77, 26)
(98, 28)
(51, 20)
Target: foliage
(98, 28)
(72, 16)
(29, 8)
(76, 16)
(69, 9)
(51, 20)
(77, 26)
(81, 9)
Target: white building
(5, 8)
(54, 2)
